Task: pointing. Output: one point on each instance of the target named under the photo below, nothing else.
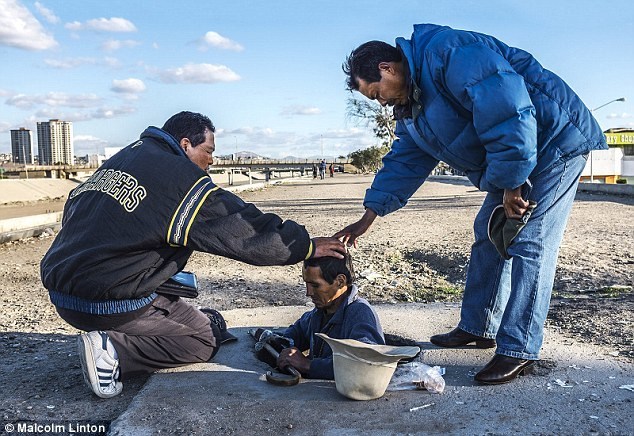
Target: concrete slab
(27, 190)
(230, 395)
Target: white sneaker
(99, 364)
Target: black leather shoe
(503, 369)
(458, 338)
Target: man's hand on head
(331, 247)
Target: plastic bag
(417, 375)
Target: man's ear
(385, 66)
(341, 280)
(185, 144)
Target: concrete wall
(607, 188)
(604, 163)
(25, 227)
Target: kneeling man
(339, 312)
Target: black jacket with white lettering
(139, 218)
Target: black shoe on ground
(503, 369)
(458, 338)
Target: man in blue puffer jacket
(493, 112)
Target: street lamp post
(26, 171)
(592, 110)
(605, 104)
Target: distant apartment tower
(22, 146)
(55, 142)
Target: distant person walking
(322, 169)
(133, 225)
(493, 112)
(331, 169)
(314, 171)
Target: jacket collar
(413, 107)
(423, 33)
(163, 136)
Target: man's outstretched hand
(350, 233)
(331, 247)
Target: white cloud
(88, 144)
(268, 142)
(114, 24)
(77, 116)
(86, 138)
(198, 73)
(20, 29)
(46, 13)
(352, 133)
(300, 110)
(68, 63)
(623, 115)
(54, 99)
(214, 39)
(116, 44)
(128, 86)
(73, 25)
(111, 62)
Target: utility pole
(26, 171)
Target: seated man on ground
(339, 312)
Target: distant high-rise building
(55, 142)
(22, 146)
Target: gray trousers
(164, 334)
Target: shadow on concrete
(41, 380)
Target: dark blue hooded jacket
(139, 218)
(354, 319)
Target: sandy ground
(418, 254)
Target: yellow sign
(621, 138)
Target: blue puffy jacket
(487, 109)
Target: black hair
(331, 267)
(363, 62)
(189, 125)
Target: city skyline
(269, 77)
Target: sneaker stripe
(102, 380)
(104, 340)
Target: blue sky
(268, 73)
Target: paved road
(231, 397)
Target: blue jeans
(509, 299)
